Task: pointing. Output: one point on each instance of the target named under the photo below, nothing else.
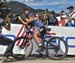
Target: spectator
(71, 18)
(52, 20)
(44, 18)
(63, 19)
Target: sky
(56, 5)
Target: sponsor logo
(68, 40)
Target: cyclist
(31, 19)
(5, 22)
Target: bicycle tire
(22, 56)
(66, 47)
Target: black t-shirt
(52, 21)
(24, 17)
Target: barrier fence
(67, 33)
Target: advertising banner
(67, 33)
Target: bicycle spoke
(57, 52)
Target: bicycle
(48, 45)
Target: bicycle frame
(28, 36)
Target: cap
(70, 7)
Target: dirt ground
(69, 59)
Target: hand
(8, 26)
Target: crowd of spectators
(63, 19)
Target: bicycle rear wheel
(57, 48)
(23, 52)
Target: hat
(70, 7)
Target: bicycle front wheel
(22, 52)
(57, 48)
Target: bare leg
(37, 38)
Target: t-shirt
(52, 21)
(72, 15)
(24, 17)
(2, 23)
(71, 22)
(62, 22)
